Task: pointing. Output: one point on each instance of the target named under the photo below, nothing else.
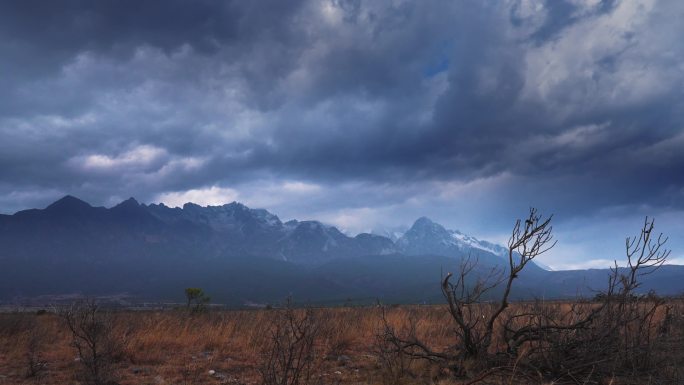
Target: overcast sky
(363, 114)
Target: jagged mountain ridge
(72, 246)
(242, 255)
(304, 241)
(233, 229)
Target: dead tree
(474, 326)
(586, 340)
(526, 243)
(645, 255)
(37, 339)
(606, 337)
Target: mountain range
(241, 255)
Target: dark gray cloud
(352, 110)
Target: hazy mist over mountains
(242, 255)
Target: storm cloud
(360, 113)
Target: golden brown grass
(173, 347)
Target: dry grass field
(620, 337)
(233, 347)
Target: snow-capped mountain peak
(428, 237)
(478, 244)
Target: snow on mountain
(478, 244)
(231, 217)
(234, 229)
(266, 217)
(428, 237)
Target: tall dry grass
(173, 347)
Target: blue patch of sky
(439, 62)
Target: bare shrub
(14, 323)
(397, 362)
(97, 346)
(37, 337)
(290, 356)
